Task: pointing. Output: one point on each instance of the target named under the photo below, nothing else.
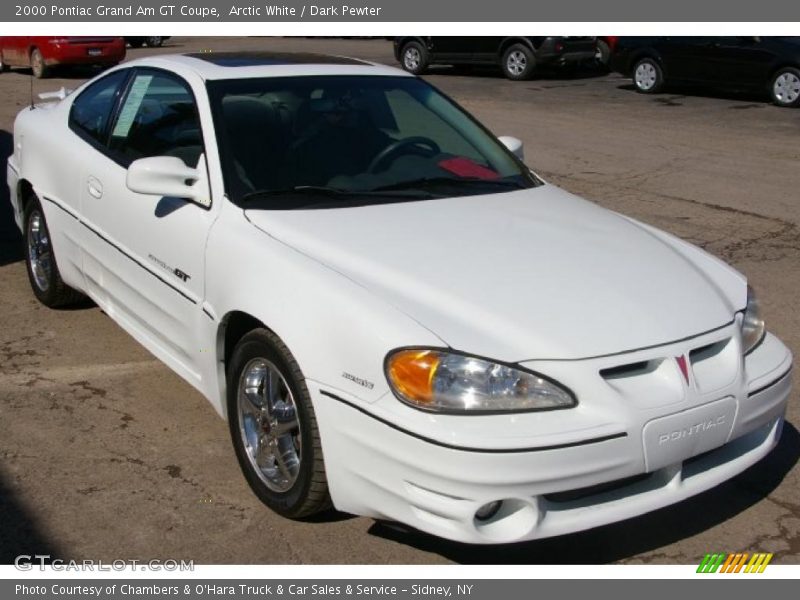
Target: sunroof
(259, 59)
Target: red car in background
(42, 53)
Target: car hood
(523, 275)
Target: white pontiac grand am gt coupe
(395, 315)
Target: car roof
(244, 65)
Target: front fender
(333, 326)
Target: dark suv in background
(762, 64)
(518, 57)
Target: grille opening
(708, 351)
(694, 459)
(715, 365)
(729, 451)
(630, 370)
(593, 490)
(645, 384)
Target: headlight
(753, 329)
(444, 381)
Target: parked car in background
(519, 57)
(765, 64)
(42, 53)
(153, 41)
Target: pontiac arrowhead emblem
(681, 360)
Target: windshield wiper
(293, 191)
(426, 183)
(322, 190)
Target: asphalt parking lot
(106, 454)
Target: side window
(158, 117)
(92, 110)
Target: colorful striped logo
(735, 563)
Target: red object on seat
(464, 167)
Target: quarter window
(92, 110)
(158, 117)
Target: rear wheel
(648, 76)
(45, 279)
(273, 427)
(414, 58)
(154, 41)
(38, 66)
(518, 62)
(785, 87)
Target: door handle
(94, 187)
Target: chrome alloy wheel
(411, 58)
(645, 76)
(40, 254)
(269, 425)
(786, 88)
(516, 63)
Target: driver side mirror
(514, 145)
(169, 176)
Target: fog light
(487, 511)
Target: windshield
(301, 142)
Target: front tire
(38, 66)
(273, 427)
(43, 273)
(414, 58)
(648, 77)
(518, 62)
(154, 41)
(785, 87)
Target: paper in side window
(127, 115)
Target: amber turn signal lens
(412, 372)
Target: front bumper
(378, 468)
(621, 62)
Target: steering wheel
(397, 147)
